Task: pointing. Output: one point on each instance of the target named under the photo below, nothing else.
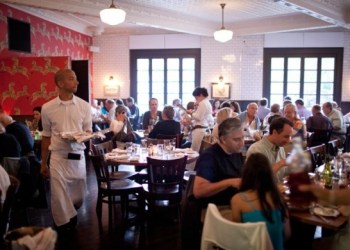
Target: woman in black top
(168, 126)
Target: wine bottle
(327, 173)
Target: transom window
(165, 75)
(311, 74)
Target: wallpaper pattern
(26, 79)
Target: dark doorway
(81, 69)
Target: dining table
(305, 216)
(139, 160)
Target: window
(311, 74)
(164, 74)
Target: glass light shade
(223, 35)
(112, 15)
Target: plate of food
(325, 211)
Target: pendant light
(223, 35)
(112, 15)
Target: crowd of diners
(244, 188)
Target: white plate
(326, 211)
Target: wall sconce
(111, 88)
(221, 81)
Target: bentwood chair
(165, 183)
(220, 233)
(110, 189)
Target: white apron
(68, 186)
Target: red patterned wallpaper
(48, 39)
(26, 79)
(27, 82)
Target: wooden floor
(164, 234)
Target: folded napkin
(346, 155)
(134, 158)
(119, 151)
(120, 157)
(179, 150)
(189, 151)
(43, 240)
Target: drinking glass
(160, 149)
(129, 148)
(144, 143)
(143, 154)
(298, 198)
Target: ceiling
(197, 17)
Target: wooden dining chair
(319, 136)
(109, 189)
(5, 215)
(334, 146)
(102, 148)
(178, 138)
(317, 155)
(165, 183)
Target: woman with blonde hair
(222, 115)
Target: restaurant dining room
(128, 124)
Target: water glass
(160, 149)
(136, 149)
(129, 148)
(144, 143)
(143, 154)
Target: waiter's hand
(44, 170)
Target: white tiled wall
(112, 60)
(239, 61)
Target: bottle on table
(327, 174)
(299, 165)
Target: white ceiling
(198, 17)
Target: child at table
(260, 200)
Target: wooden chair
(102, 148)
(220, 233)
(178, 138)
(319, 136)
(347, 140)
(9, 201)
(334, 146)
(109, 189)
(109, 135)
(165, 183)
(317, 155)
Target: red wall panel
(26, 79)
(27, 82)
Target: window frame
(337, 53)
(165, 54)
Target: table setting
(136, 153)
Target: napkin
(346, 155)
(119, 151)
(179, 150)
(117, 157)
(44, 240)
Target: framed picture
(220, 90)
(111, 90)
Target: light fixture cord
(222, 15)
